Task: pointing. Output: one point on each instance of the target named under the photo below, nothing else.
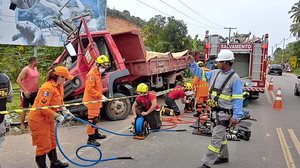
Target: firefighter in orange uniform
(92, 92)
(41, 122)
(201, 88)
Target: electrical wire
(200, 14)
(185, 14)
(193, 25)
(153, 8)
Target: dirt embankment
(117, 25)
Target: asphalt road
(274, 141)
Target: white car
(297, 87)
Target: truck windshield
(102, 46)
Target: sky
(257, 16)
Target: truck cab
(87, 47)
(250, 59)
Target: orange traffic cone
(270, 88)
(278, 101)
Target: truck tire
(296, 91)
(118, 109)
(246, 102)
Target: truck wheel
(246, 102)
(296, 91)
(118, 109)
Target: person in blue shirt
(226, 102)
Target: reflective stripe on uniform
(237, 96)
(213, 148)
(224, 142)
(222, 96)
(203, 75)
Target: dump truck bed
(140, 62)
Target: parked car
(275, 69)
(297, 87)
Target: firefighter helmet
(188, 86)
(142, 88)
(200, 63)
(225, 55)
(102, 59)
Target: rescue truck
(250, 58)
(131, 64)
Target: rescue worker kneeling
(41, 122)
(146, 105)
(177, 93)
(94, 91)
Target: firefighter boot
(92, 141)
(41, 161)
(197, 114)
(204, 166)
(221, 160)
(55, 163)
(97, 135)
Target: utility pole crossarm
(229, 31)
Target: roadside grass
(297, 71)
(15, 104)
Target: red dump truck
(250, 58)
(130, 65)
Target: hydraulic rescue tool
(204, 126)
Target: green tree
(152, 31)
(295, 27)
(13, 58)
(195, 42)
(163, 34)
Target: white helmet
(225, 55)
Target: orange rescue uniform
(93, 91)
(202, 89)
(41, 122)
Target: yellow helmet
(200, 63)
(188, 86)
(142, 88)
(102, 59)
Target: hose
(93, 161)
(139, 128)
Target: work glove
(104, 98)
(67, 114)
(233, 122)
(60, 118)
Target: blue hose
(93, 162)
(139, 124)
(103, 129)
(139, 129)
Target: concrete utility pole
(35, 51)
(229, 31)
(272, 52)
(282, 50)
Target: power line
(199, 14)
(195, 25)
(154, 8)
(184, 13)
